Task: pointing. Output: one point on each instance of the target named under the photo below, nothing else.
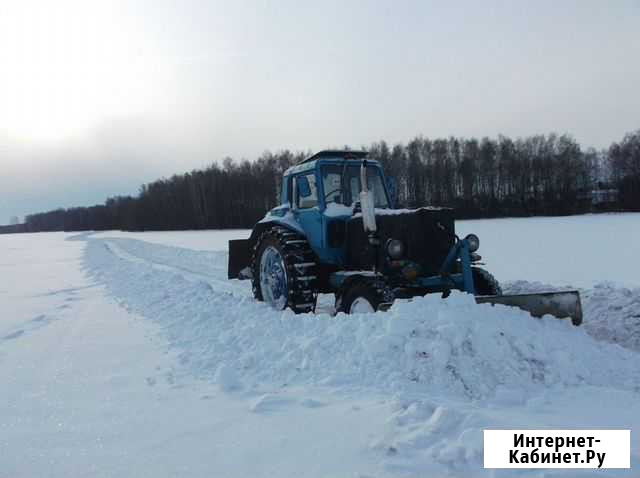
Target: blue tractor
(336, 231)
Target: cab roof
(336, 154)
(327, 154)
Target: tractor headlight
(395, 248)
(474, 242)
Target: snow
(131, 354)
(287, 218)
(198, 240)
(92, 389)
(337, 210)
(612, 311)
(454, 345)
(226, 378)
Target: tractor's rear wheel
(485, 283)
(284, 270)
(362, 296)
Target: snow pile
(422, 434)
(526, 287)
(460, 346)
(227, 379)
(189, 260)
(611, 312)
(425, 346)
(201, 240)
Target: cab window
(306, 191)
(333, 177)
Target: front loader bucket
(559, 304)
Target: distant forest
(536, 175)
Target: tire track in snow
(218, 285)
(29, 326)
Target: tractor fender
(241, 250)
(265, 224)
(344, 279)
(344, 286)
(353, 278)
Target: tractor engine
(421, 238)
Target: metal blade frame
(562, 304)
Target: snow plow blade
(559, 304)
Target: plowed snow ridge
(424, 346)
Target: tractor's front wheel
(284, 270)
(362, 296)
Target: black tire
(375, 292)
(485, 283)
(300, 264)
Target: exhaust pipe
(367, 204)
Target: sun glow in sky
(98, 97)
(65, 68)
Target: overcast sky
(99, 97)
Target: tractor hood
(427, 234)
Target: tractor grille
(426, 242)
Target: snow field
(192, 377)
(579, 251)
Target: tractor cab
(323, 192)
(332, 178)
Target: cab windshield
(341, 184)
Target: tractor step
(306, 305)
(384, 306)
(559, 304)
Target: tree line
(537, 175)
